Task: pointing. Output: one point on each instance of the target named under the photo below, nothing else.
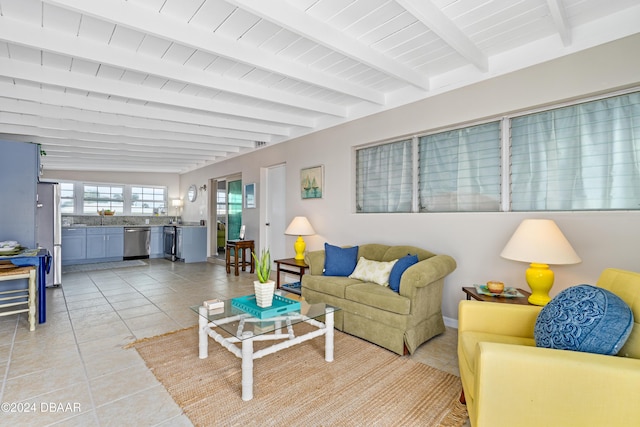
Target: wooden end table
(291, 266)
(239, 256)
(471, 293)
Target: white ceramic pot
(264, 293)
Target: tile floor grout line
(8, 365)
(84, 365)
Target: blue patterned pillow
(584, 318)
(399, 268)
(339, 261)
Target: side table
(291, 266)
(471, 292)
(239, 248)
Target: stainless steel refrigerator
(49, 228)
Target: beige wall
(475, 240)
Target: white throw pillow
(373, 271)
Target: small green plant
(263, 265)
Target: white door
(275, 211)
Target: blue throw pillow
(339, 261)
(399, 268)
(584, 318)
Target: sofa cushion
(584, 318)
(335, 286)
(339, 261)
(399, 268)
(373, 271)
(378, 297)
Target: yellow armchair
(507, 381)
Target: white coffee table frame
(246, 353)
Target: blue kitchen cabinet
(74, 245)
(156, 243)
(19, 172)
(105, 244)
(194, 244)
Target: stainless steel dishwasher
(137, 242)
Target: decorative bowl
(495, 287)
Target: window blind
(459, 170)
(581, 157)
(384, 178)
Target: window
(580, 157)
(88, 198)
(384, 178)
(67, 198)
(99, 197)
(147, 200)
(221, 201)
(459, 170)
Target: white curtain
(582, 157)
(460, 170)
(384, 180)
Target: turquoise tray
(279, 306)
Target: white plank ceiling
(173, 85)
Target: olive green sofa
(399, 321)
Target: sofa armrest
(530, 386)
(502, 319)
(425, 272)
(315, 261)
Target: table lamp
(177, 203)
(300, 226)
(539, 242)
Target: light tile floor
(73, 370)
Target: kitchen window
(67, 198)
(99, 197)
(147, 200)
(79, 198)
(584, 156)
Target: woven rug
(365, 385)
(102, 266)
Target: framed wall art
(250, 196)
(312, 182)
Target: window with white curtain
(384, 177)
(459, 170)
(579, 157)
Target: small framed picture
(312, 182)
(250, 196)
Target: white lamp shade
(300, 226)
(540, 241)
(176, 203)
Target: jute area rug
(365, 385)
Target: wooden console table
(239, 248)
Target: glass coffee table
(245, 328)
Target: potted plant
(264, 286)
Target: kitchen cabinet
(74, 245)
(157, 245)
(19, 172)
(105, 243)
(194, 244)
